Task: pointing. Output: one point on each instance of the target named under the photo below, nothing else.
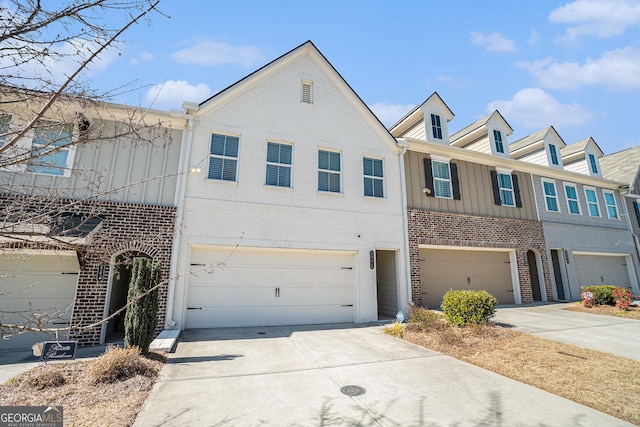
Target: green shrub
(396, 330)
(141, 317)
(468, 307)
(422, 319)
(602, 295)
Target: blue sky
(574, 65)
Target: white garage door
(600, 270)
(444, 269)
(269, 287)
(42, 283)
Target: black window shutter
(637, 209)
(516, 190)
(428, 176)
(496, 189)
(455, 181)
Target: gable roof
(533, 138)
(306, 48)
(621, 166)
(478, 124)
(416, 114)
(578, 147)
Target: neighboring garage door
(444, 269)
(600, 270)
(257, 287)
(37, 282)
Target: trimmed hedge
(602, 295)
(468, 307)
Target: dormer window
(436, 127)
(593, 164)
(497, 137)
(554, 154)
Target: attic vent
(306, 92)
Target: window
(497, 137)
(51, 147)
(592, 201)
(441, 179)
(572, 199)
(278, 164)
(593, 163)
(373, 177)
(436, 128)
(554, 154)
(550, 196)
(329, 171)
(5, 119)
(307, 92)
(610, 203)
(505, 184)
(223, 157)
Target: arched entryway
(534, 274)
(119, 278)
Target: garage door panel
(314, 287)
(599, 270)
(443, 269)
(38, 283)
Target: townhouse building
(82, 193)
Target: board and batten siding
(475, 190)
(114, 170)
(583, 219)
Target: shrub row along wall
(124, 228)
(465, 231)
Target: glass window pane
(441, 170)
(377, 188)
(442, 188)
(367, 165)
(573, 207)
(591, 196)
(215, 168)
(552, 204)
(368, 187)
(217, 144)
(323, 181)
(285, 154)
(229, 170)
(506, 197)
(323, 159)
(231, 146)
(334, 182)
(549, 189)
(377, 168)
(571, 193)
(334, 161)
(608, 197)
(272, 175)
(505, 180)
(284, 177)
(273, 152)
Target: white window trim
(280, 165)
(615, 204)
(331, 150)
(551, 155)
(209, 156)
(586, 199)
(71, 154)
(448, 163)
(494, 144)
(442, 133)
(590, 164)
(545, 195)
(379, 178)
(566, 196)
(508, 172)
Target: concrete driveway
(609, 334)
(292, 376)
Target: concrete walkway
(292, 376)
(609, 334)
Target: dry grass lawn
(89, 392)
(604, 382)
(607, 310)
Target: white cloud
(389, 114)
(211, 53)
(618, 68)
(494, 42)
(172, 93)
(600, 18)
(535, 109)
(143, 57)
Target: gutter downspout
(169, 322)
(629, 195)
(403, 144)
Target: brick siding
(451, 229)
(125, 228)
